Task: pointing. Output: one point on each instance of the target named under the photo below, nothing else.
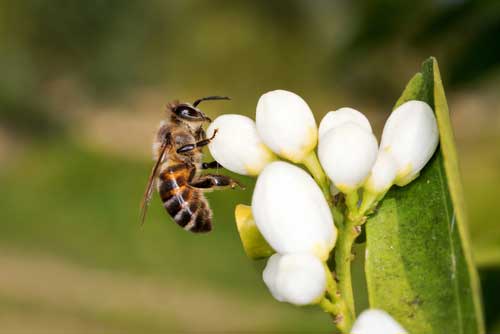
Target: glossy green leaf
(418, 262)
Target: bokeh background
(83, 86)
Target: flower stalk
(343, 257)
(336, 305)
(351, 201)
(312, 164)
(368, 204)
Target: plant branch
(336, 306)
(343, 258)
(354, 218)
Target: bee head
(190, 113)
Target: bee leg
(201, 143)
(210, 165)
(207, 141)
(200, 134)
(211, 181)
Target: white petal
(269, 276)
(237, 145)
(286, 124)
(291, 211)
(300, 279)
(336, 118)
(383, 173)
(411, 135)
(376, 322)
(347, 154)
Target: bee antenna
(210, 98)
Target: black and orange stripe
(185, 204)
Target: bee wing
(148, 194)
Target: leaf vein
(452, 248)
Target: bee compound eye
(187, 112)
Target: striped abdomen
(186, 205)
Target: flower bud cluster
(289, 208)
(349, 154)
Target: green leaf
(418, 261)
(254, 244)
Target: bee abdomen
(187, 206)
(203, 221)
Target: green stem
(312, 163)
(336, 306)
(368, 205)
(343, 258)
(351, 201)
(355, 217)
(328, 306)
(370, 199)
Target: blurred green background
(83, 87)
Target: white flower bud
(237, 145)
(347, 154)
(286, 124)
(269, 276)
(291, 212)
(299, 279)
(336, 118)
(411, 136)
(383, 173)
(376, 322)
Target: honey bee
(177, 149)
